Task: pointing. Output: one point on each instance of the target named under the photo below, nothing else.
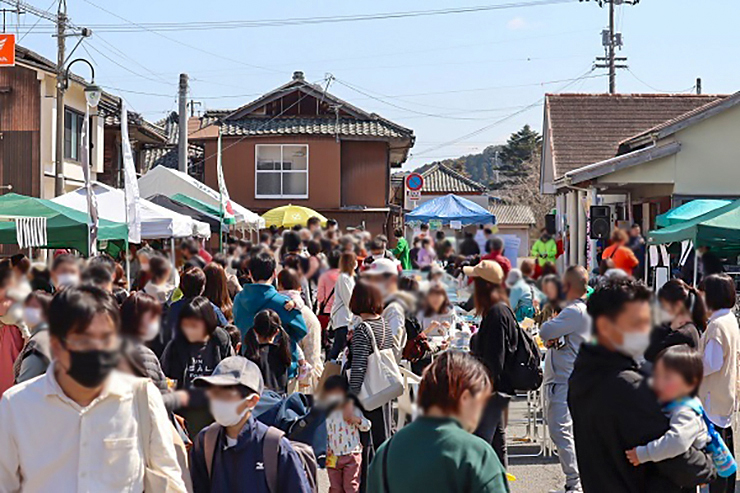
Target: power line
(48, 10)
(688, 89)
(495, 123)
(243, 24)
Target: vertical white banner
(223, 191)
(131, 186)
(92, 201)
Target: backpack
(270, 454)
(523, 367)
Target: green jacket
(545, 252)
(402, 252)
(437, 455)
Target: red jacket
(502, 261)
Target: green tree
(519, 149)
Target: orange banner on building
(7, 50)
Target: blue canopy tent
(689, 211)
(451, 208)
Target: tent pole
(647, 265)
(696, 264)
(172, 252)
(128, 268)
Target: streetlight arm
(66, 72)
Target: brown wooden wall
(20, 123)
(365, 174)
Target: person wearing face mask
(683, 316)
(228, 456)
(140, 323)
(563, 336)
(612, 405)
(439, 448)
(199, 345)
(720, 345)
(79, 426)
(65, 271)
(35, 357)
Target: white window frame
(257, 195)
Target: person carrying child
(677, 377)
(343, 426)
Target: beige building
(640, 154)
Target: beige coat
(718, 389)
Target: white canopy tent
(157, 222)
(168, 181)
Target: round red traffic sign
(414, 181)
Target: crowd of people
(163, 384)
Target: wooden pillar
(572, 217)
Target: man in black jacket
(613, 407)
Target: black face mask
(91, 368)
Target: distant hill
(511, 171)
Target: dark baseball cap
(234, 370)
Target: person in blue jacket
(229, 455)
(261, 295)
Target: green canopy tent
(65, 227)
(718, 229)
(688, 211)
(203, 207)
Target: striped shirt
(361, 347)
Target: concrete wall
(74, 98)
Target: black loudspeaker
(550, 224)
(600, 222)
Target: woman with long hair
(341, 315)
(683, 318)
(268, 345)
(367, 304)
(495, 342)
(437, 315)
(140, 323)
(198, 346)
(217, 289)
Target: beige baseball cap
(489, 270)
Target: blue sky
(445, 77)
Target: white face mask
(67, 279)
(666, 317)
(152, 330)
(225, 412)
(32, 316)
(634, 344)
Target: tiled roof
(260, 126)
(443, 179)
(587, 128)
(512, 214)
(168, 156)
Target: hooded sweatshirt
(614, 410)
(257, 297)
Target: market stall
(33, 222)
(689, 211)
(168, 181)
(184, 208)
(718, 229)
(157, 222)
(450, 208)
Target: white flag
(92, 200)
(223, 191)
(133, 219)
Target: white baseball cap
(381, 267)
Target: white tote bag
(383, 379)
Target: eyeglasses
(110, 342)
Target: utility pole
(61, 83)
(611, 40)
(698, 85)
(182, 143)
(192, 104)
